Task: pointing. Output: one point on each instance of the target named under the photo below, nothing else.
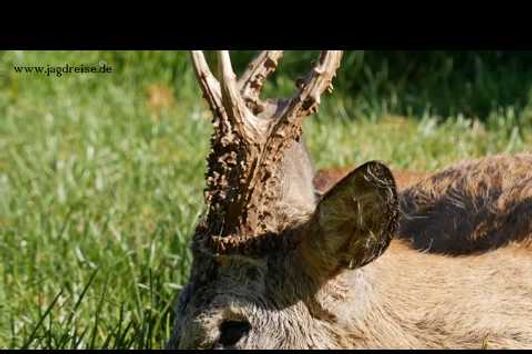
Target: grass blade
(31, 337)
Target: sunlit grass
(101, 186)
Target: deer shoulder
(474, 206)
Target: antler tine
(208, 83)
(252, 81)
(318, 80)
(235, 106)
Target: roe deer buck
(277, 266)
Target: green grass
(100, 191)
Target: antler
(208, 83)
(252, 80)
(243, 177)
(318, 80)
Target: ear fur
(355, 221)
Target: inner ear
(355, 220)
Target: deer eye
(232, 331)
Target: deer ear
(355, 221)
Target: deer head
(267, 252)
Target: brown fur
(403, 299)
(472, 207)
